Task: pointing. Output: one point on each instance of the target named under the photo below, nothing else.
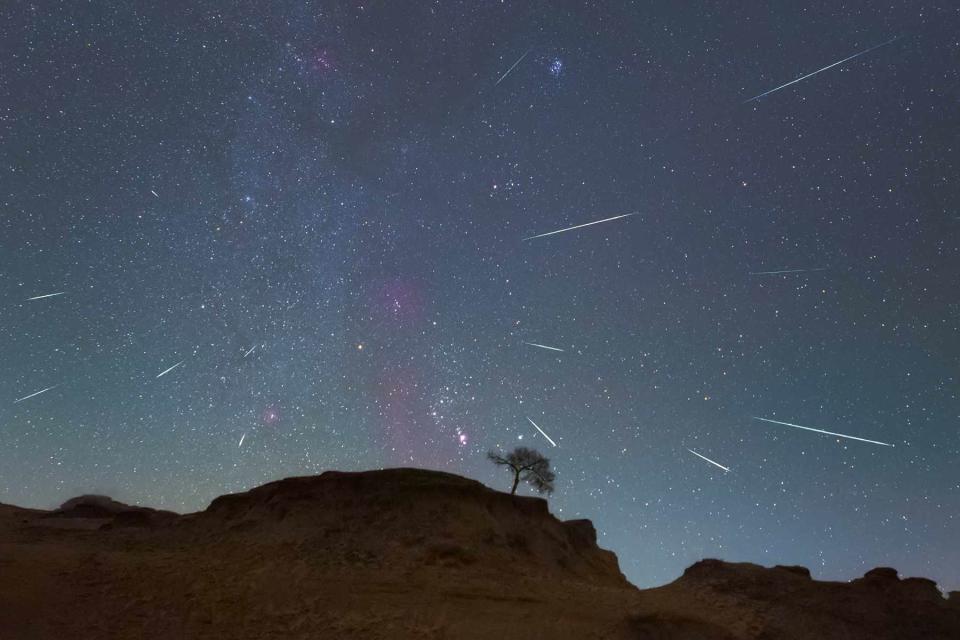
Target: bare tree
(528, 465)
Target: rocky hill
(402, 553)
(406, 520)
(742, 600)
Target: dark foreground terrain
(403, 553)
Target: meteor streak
(770, 273)
(35, 393)
(716, 464)
(549, 439)
(519, 60)
(241, 440)
(48, 295)
(166, 371)
(250, 351)
(154, 193)
(829, 433)
(580, 226)
(829, 66)
(542, 346)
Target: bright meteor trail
(519, 60)
(549, 439)
(770, 273)
(166, 371)
(716, 464)
(580, 226)
(35, 393)
(542, 346)
(829, 433)
(48, 295)
(829, 66)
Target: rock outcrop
(749, 601)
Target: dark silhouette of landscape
(403, 553)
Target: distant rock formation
(750, 601)
(117, 514)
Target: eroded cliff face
(406, 519)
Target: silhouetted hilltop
(404, 553)
(410, 518)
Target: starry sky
(312, 218)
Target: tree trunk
(516, 481)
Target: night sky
(317, 214)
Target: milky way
(310, 220)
